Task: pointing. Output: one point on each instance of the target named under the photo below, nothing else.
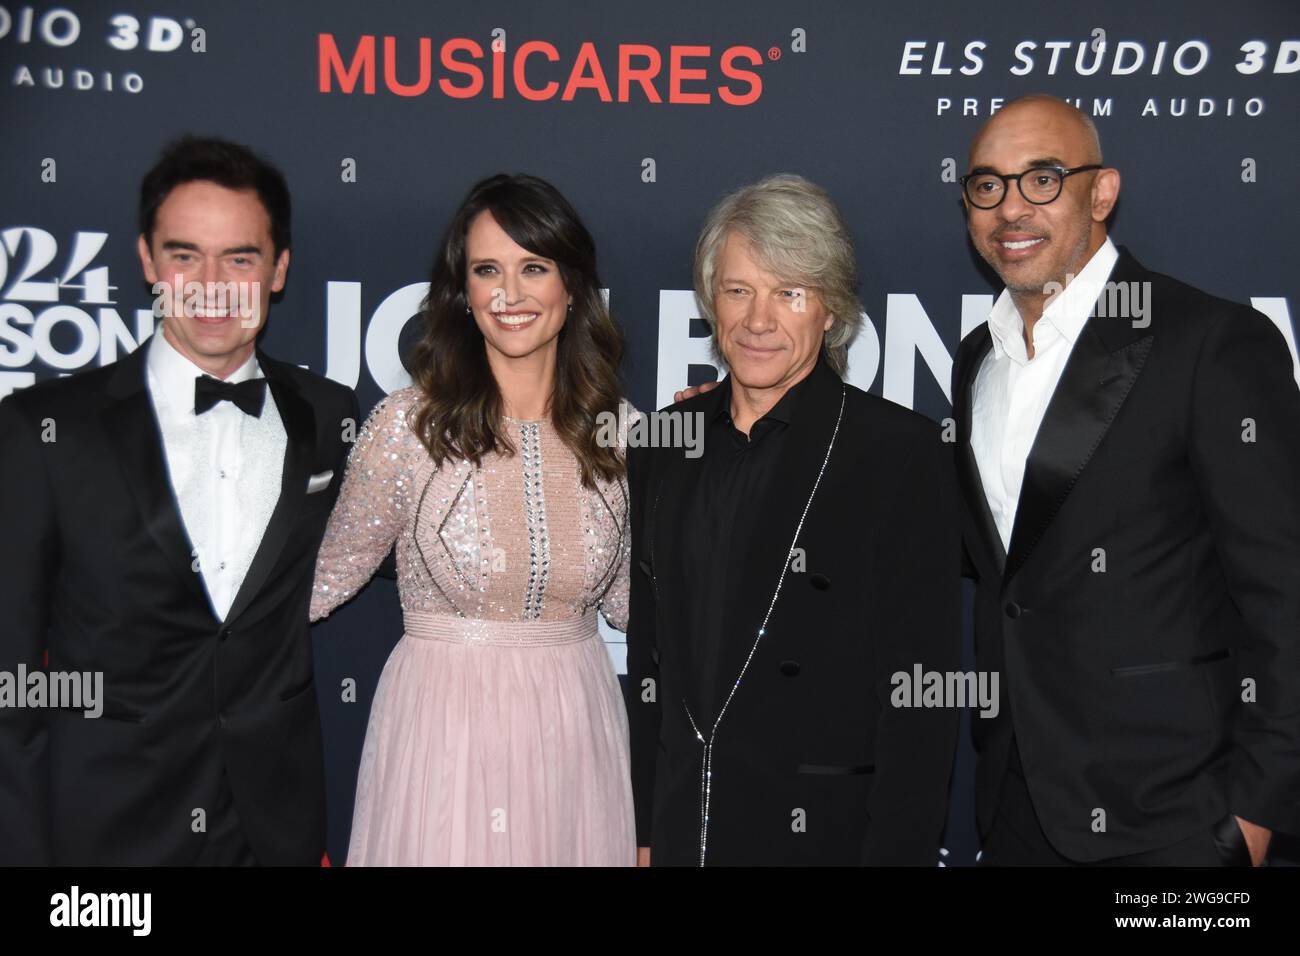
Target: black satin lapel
(299, 450)
(968, 473)
(134, 434)
(1093, 387)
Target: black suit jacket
(1124, 685)
(811, 728)
(96, 568)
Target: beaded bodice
(516, 539)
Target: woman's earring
(468, 310)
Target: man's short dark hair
(198, 158)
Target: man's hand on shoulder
(693, 390)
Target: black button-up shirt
(718, 519)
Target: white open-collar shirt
(1012, 391)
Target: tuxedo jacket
(1152, 579)
(97, 570)
(811, 763)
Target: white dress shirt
(225, 468)
(1012, 390)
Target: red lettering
(463, 60)
(755, 81)
(579, 80)
(677, 73)
(498, 72)
(627, 73)
(521, 83)
(390, 68)
(468, 69)
(330, 63)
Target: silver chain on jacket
(706, 764)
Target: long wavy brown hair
(460, 413)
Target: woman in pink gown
(498, 733)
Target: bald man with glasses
(1129, 454)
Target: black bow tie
(249, 396)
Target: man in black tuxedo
(161, 518)
(787, 576)
(1129, 453)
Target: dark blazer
(1124, 685)
(96, 568)
(811, 728)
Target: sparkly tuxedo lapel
(134, 434)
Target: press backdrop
(383, 114)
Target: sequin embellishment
(539, 542)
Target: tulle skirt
(495, 743)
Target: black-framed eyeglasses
(1038, 184)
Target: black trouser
(1017, 839)
(224, 844)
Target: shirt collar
(783, 410)
(175, 374)
(1067, 313)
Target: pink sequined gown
(498, 733)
